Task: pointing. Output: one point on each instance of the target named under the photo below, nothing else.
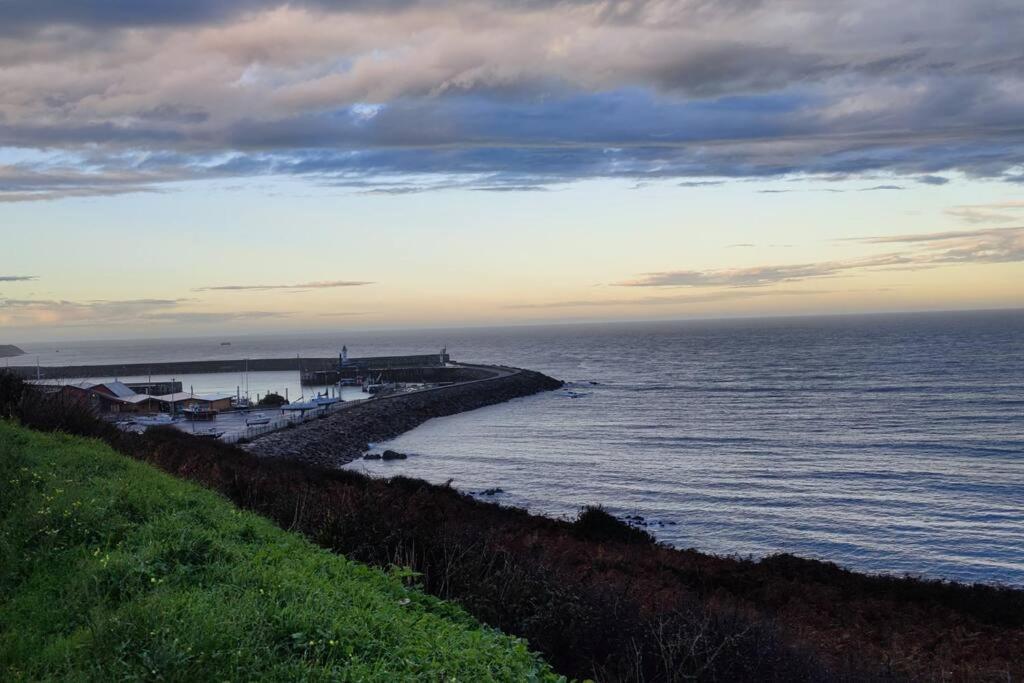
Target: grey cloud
(15, 312)
(994, 245)
(18, 278)
(67, 313)
(928, 250)
(677, 300)
(420, 95)
(700, 183)
(740, 277)
(206, 318)
(22, 183)
(329, 284)
(988, 213)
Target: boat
(326, 400)
(257, 419)
(225, 343)
(154, 420)
(198, 413)
(303, 405)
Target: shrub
(597, 524)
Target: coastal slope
(110, 569)
(598, 598)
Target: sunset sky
(191, 167)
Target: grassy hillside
(110, 570)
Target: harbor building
(118, 397)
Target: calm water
(888, 443)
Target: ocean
(888, 443)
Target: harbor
(238, 400)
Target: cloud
(994, 245)
(418, 95)
(207, 318)
(18, 278)
(1000, 212)
(700, 183)
(47, 181)
(676, 300)
(31, 312)
(329, 284)
(66, 313)
(738, 277)
(926, 250)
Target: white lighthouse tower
(344, 355)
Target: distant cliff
(10, 351)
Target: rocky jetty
(345, 435)
(10, 351)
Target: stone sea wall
(345, 435)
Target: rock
(394, 455)
(492, 492)
(372, 456)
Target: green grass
(112, 570)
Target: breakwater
(190, 367)
(345, 435)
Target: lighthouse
(344, 355)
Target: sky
(193, 168)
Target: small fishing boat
(154, 420)
(199, 413)
(257, 420)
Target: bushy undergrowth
(111, 570)
(597, 524)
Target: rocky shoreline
(344, 436)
